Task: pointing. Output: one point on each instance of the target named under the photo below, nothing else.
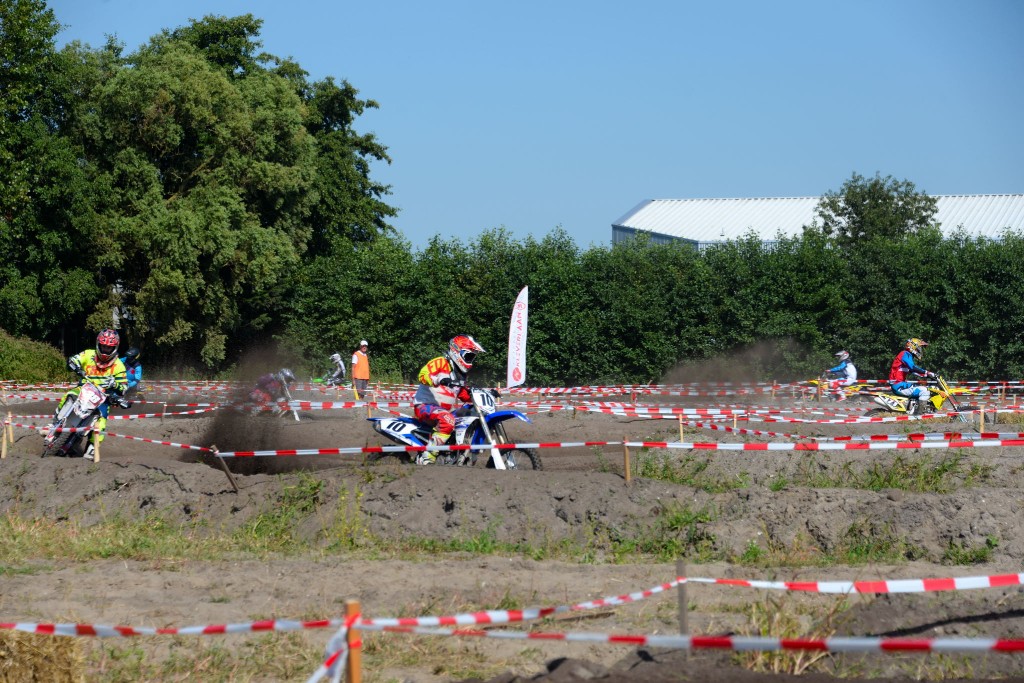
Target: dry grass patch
(34, 657)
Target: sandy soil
(581, 494)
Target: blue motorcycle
(469, 429)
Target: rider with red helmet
(904, 365)
(103, 368)
(442, 387)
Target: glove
(495, 393)
(74, 366)
(108, 382)
(446, 382)
(464, 394)
(929, 374)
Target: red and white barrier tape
(42, 428)
(102, 631)
(742, 643)
(832, 446)
(496, 617)
(681, 445)
(134, 416)
(161, 443)
(882, 586)
(741, 430)
(33, 398)
(337, 652)
(473, 618)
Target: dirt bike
(329, 380)
(939, 394)
(77, 417)
(245, 404)
(821, 389)
(469, 429)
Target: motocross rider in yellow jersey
(442, 387)
(103, 368)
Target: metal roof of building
(718, 220)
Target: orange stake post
(354, 670)
(3, 446)
(625, 459)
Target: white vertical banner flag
(517, 339)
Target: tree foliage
(866, 208)
(176, 189)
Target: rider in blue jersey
(847, 375)
(904, 365)
(133, 367)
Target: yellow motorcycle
(819, 389)
(940, 394)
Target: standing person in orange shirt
(360, 369)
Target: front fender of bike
(500, 416)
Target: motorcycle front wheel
(972, 415)
(516, 458)
(64, 442)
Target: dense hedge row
(632, 312)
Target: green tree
(27, 29)
(228, 43)
(350, 204)
(46, 286)
(213, 184)
(210, 180)
(356, 291)
(875, 207)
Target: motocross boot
(428, 457)
(924, 406)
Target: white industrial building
(704, 222)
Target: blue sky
(536, 114)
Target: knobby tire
(61, 440)
(518, 456)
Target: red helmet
(462, 351)
(107, 342)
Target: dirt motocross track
(580, 499)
